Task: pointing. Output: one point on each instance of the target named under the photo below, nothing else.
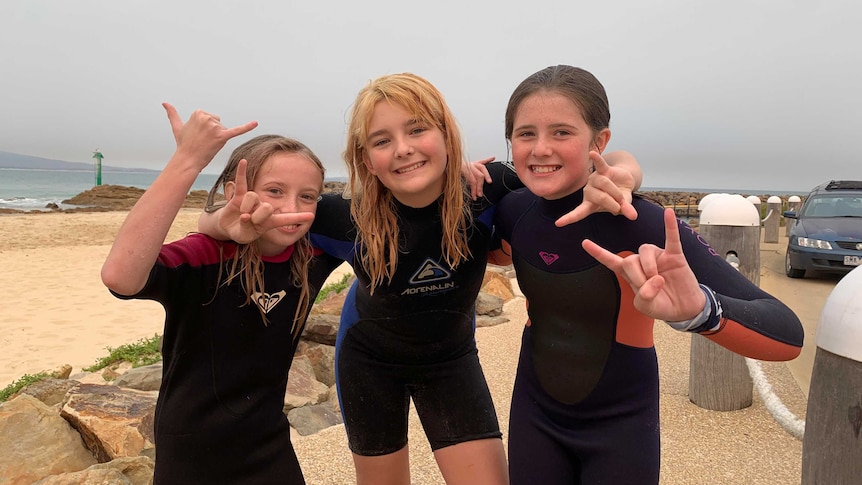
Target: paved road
(805, 296)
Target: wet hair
(581, 87)
(373, 207)
(247, 263)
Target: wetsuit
(219, 417)
(414, 336)
(585, 401)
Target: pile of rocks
(85, 429)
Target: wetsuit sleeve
(332, 230)
(742, 317)
(504, 180)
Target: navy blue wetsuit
(219, 418)
(414, 336)
(585, 402)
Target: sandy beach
(56, 311)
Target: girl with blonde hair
(233, 311)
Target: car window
(834, 206)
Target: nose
(403, 148)
(542, 148)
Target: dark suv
(826, 234)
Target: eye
(379, 142)
(274, 191)
(525, 134)
(418, 130)
(309, 198)
(562, 132)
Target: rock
(487, 304)
(137, 470)
(50, 390)
(145, 378)
(322, 359)
(311, 419)
(303, 388)
(37, 442)
(112, 421)
(322, 328)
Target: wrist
(709, 319)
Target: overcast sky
(757, 94)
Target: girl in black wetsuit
(585, 401)
(234, 312)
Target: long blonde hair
(247, 263)
(373, 208)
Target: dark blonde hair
(247, 263)
(373, 207)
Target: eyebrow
(383, 131)
(552, 125)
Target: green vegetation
(143, 352)
(333, 287)
(21, 383)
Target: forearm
(625, 160)
(208, 224)
(142, 234)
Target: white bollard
(832, 446)
(718, 378)
(772, 220)
(793, 204)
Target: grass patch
(333, 287)
(21, 383)
(143, 352)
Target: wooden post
(773, 219)
(718, 378)
(832, 445)
(794, 203)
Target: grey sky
(758, 94)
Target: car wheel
(789, 270)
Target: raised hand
(609, 189)
(203, 135)
(245, 217)
(663, 283)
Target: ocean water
(25, 189)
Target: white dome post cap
(729, 210)
(840, 327)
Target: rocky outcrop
(83, 429)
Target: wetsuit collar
(554, 209)
(418, 212)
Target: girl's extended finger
(599, 163)
(671, 231)
(239, 130)
(602, 255)
(241, 180)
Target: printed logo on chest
(428, 279)
(548, 258)
(268, 301)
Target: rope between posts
(779, 411)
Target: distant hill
(15, 160)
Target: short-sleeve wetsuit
(585, 402)
(219, 417)
(414, 336)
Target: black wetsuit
(585, 402)
(219, 417)
(414, 336)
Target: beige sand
(55, 311)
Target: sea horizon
(34, 189)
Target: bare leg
(478, 462)
(391, 469)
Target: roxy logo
(268, 301)
(548, 258)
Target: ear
(229, 190)
(602, 139)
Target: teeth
(410, 168)
(544, 168)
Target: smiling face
(551, 143)
(289, 182)
(406, 154)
